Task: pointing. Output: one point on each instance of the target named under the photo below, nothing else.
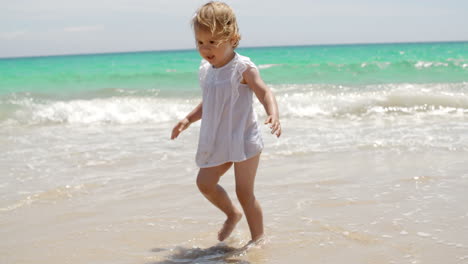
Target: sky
(55, 27)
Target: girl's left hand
(275, 125)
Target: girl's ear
(235, 41)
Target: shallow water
(105, 194)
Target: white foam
(315, 117)
(295, 101)
(407, 99)
(267, 66)
(114, 110)
(428, 64)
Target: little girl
(229, 133)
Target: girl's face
(217, 53)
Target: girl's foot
(229, 225)
(257, 241)
(254, 242)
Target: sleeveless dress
(229, 131)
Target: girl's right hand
(181, 126)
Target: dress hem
(220, 163)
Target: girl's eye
(212, 42)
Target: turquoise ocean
(372, 162)
(434, 74)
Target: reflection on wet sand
(220, 253)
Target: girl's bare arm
(266, 97)
(183, 124)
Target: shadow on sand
(216, 254)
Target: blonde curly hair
(219, 19)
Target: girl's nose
(204, 47)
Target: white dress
(229, 129)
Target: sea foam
(295, 101)
(122, 110)
(338, 101)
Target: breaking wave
(295, 101)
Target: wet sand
(360, 207)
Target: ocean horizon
(241, 47)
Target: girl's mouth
(210, 57)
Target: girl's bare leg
(245, 172)
(207, 182)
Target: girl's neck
(228, 59)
